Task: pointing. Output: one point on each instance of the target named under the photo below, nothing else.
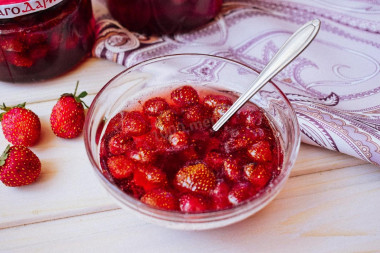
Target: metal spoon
(290, 50)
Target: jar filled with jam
(163, 16)
(41, 39)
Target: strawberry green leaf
(4, 156)
(83, 94)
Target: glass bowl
(196, 70)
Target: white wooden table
(331, 202)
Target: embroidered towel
(334, 85)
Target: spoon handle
(290, 50)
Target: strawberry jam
(43, 39)
(162, 150)
(163, 16)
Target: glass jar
(163, 16)
(41, 39)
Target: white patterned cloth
(334, 85)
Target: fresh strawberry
(167, 122)
(135, 123)
(20, 126)
(155, 106)
(150, 177)
(260, 151)
(214, 160)
(185, 96)
(67, 117)
(160, 198)
(179, 140)
(195, 178)
(192, 203)
(241, 191)
(257, 174)
(120, 144)
(232, 169)
(212, 101)
(19, 166)
(120, 166)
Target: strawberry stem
(76, 88)
(77, 98)
(4, 156)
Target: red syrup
(164, 152)
(45, 43)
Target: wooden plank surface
(329, 204)
(335, 211)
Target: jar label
(15, 8)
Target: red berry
(200, 140)
(167, 122)
(257, 174)
(189, 154)
(240, 192)
(149, 178)
(214, 144)
(19, 59)
(19, 166)
(214, 160)
(194, 117)
(143, 155)
(134, 123)
(179, 140)
(212, 101)
(232, 169)
(220, 196)
(218, 112)
(67, 117)
(155, 106)
(12, 44)
(38, 52)
(260, 151)
(128, 186)
(192, 203)
(115, 122)
(251, 117)
(243, 137)
(185, 96)
(120, 166)
(120, 144)
(20, 126)
(152, 141)
(195, 178)
(160, 198)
